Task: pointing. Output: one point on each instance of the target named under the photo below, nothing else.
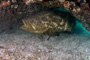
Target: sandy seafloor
(23, 45)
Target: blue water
(78, 28)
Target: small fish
(5, 3)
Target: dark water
(78, 28)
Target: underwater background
(24, 45)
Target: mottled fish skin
(46, 22)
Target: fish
(47, 22)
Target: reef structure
(17, 10)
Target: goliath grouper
(49, 22)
